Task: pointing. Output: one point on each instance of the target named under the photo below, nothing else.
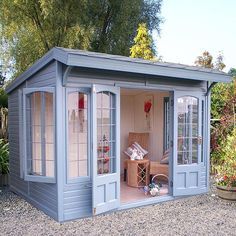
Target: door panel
(187, 143)
(106, 151)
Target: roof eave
(53, 54)
(113, 63)
(149, 69)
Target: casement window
(78, 145)
(39, 134)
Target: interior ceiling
(135, 92)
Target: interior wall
(126, 123)
(133, 119)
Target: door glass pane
(77, 110)
(187, 111)
(106, 112)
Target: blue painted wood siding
(14, 146)
(87, 76)
(77, 200)
(42, 195)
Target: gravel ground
(199, 215)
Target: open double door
(187, 119)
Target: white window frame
(36, 178)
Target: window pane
(77, 110)
(36, 132)
(36, 108)
(40, 133)
(49, 151)
(48, 109)
(83, 170)
(73, 167)
(49, 135)
(37, 167)
(50, 168)
(187, 108)
(106, 160)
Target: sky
(193, 26)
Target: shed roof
(94, 60)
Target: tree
(31, 28)
(3, 98)
(143, 45)
(205, 60)
(219, 64)
(219, 91)
(232, 72)
(2, 77)
(223, 106)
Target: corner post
(60, 146)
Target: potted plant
(4, 162)
(226, 173)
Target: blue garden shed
(89, 131)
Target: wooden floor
(131, 194)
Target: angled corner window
(39, 134)
(77, 135)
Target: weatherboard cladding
(14, 137)
(80, 75)
(116, 63)
(42, 195)
(77, 200)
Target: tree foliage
(3, 95)
(219, 91)
(2, 77)
(224, 102)
(219, 64)
(3, 98)
(32, 27)
(143, 44)
(223, 106)
(205, 60)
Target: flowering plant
(153, 189)
(226, 173)
(147, 106)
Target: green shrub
(224, 109)
(227, 170)
(4, 157)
